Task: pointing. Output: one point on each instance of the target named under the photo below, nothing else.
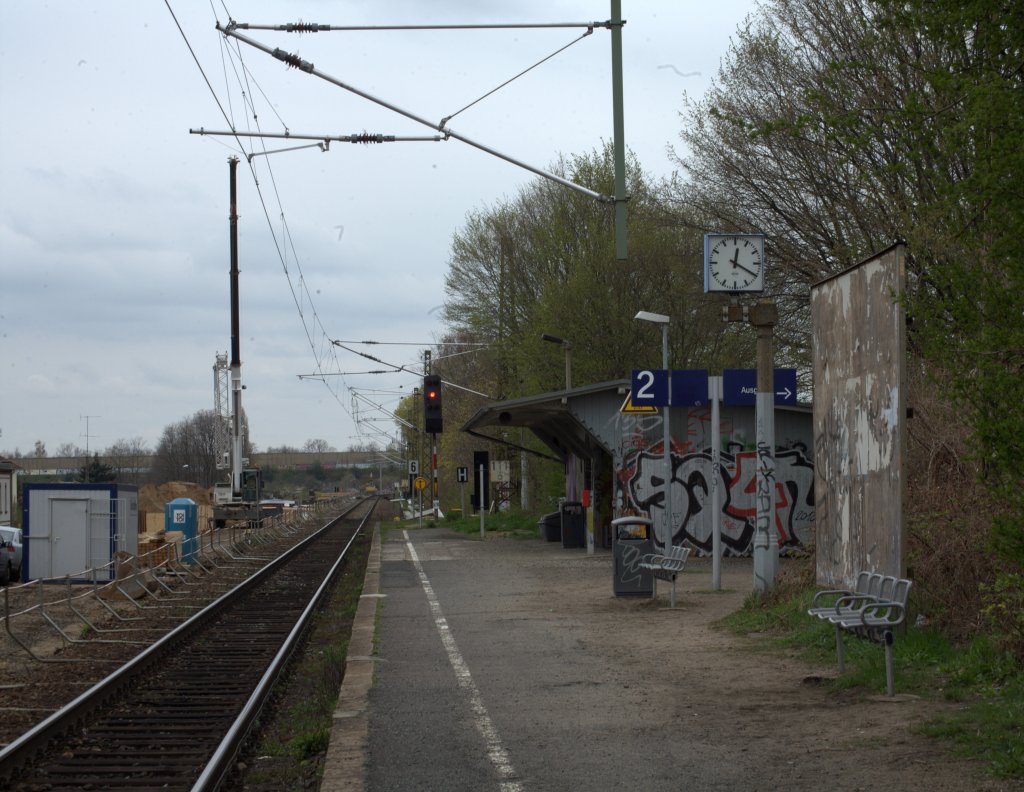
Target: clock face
(734, 262)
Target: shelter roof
(566, 421)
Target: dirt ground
(766, 709)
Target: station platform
(510, 665)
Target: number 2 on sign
(649, 388)
(646, 390)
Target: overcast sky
(114, 287)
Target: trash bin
(574, 528)
(550, 527)
(632, 537)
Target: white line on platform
(495, 751)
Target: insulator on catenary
(305, 27)
(366, 137)
(293, 60)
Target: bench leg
(890, 685)
(840, 650)
(672, 598)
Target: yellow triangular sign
(629, 407)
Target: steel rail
(222, 761)
(22, 750)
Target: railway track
(176, 715)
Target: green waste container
(632, 538)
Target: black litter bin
(632, 537)
(550, 527)
(574, 532)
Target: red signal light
(433, 423)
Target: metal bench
(666, 567)
(876, 605)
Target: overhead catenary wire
(303, 291)
(446, 119)
(228, 116)
(418, 343)
(296, 62)
(313, 27)
(357, 137)
(302, 27)
(324, 350)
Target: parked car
(10, 554)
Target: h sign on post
(462, 475)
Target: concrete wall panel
(859, 340)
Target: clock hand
(735, 258)
(748, 271)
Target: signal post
(434, 425)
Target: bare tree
(130, 458)
(187, 450)
(317, 446)
(796, 140)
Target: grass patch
(983, 679)
(515, 524)
(989, 730)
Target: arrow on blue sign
(739, 387)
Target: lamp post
(661, 319)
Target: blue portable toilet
(182, 514)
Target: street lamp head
(556, 340)
(647, 316)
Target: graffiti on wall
(640, 488)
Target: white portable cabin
(8, 490)
(70, 529)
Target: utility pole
(436, 501)
(85, 467)
(236, 355)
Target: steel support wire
(313, 27)
(296, 62)
(324, 140)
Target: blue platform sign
(739, 387)
(690, 388)
(649, 387)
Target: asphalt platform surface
(510, 665)
(489, 673)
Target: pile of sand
(154, 498)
